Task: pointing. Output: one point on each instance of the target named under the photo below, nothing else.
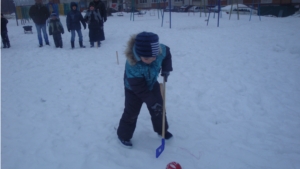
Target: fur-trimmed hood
(130, 53)
(129, 50)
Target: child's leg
(79, 35)
(5, 40)
(156, 111)
(55, 39)
(128, 120)
(60, 44)
(73, 35)
(80, 38)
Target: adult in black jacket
(100, 7)
(73, 20)
(39, 14)
(4, 36)
(95, 23)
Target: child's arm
(61, 28)
(50, 29)
(68, 20)
(86, 17)
(100, 18)
(82, 21)
(167, 62)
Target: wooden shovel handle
(163, 93)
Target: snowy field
(233, 99)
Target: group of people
(95, 18)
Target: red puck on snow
(173, 165)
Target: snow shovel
(161, 148)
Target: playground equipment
(27, 29)
(245, 9)
(170, 15)
(218, 10)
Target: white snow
(232, 99)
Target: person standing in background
(39, 14)
(100, 7)
(4, 36)
(56, 29)
(94, 21)
(73, 20)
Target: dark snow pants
(57, 40)
(5, 39)
(133, 105)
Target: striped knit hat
(147, 44)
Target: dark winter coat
(140, 77)
(4, 22)
(39, 13)
(55, 27)
(95, 25)
(74, 18)
(100, 6)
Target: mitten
(165, 74)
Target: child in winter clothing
(56, 29)
(146, 58)
(73, 20)
(4, 36)
(95, 23)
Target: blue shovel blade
(161, 148)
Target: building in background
(21, 7)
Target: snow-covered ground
(232, 99)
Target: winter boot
(99, 44)
(72, 44)
(4, 45)
(168, 135)
(80, 43)
(125, 143)
(92, 44)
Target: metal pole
(16, 13)
(219, 10)
(170, 12)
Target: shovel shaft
(164, 109)
(161, 148)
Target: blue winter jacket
(140, 77)
(74, 18)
